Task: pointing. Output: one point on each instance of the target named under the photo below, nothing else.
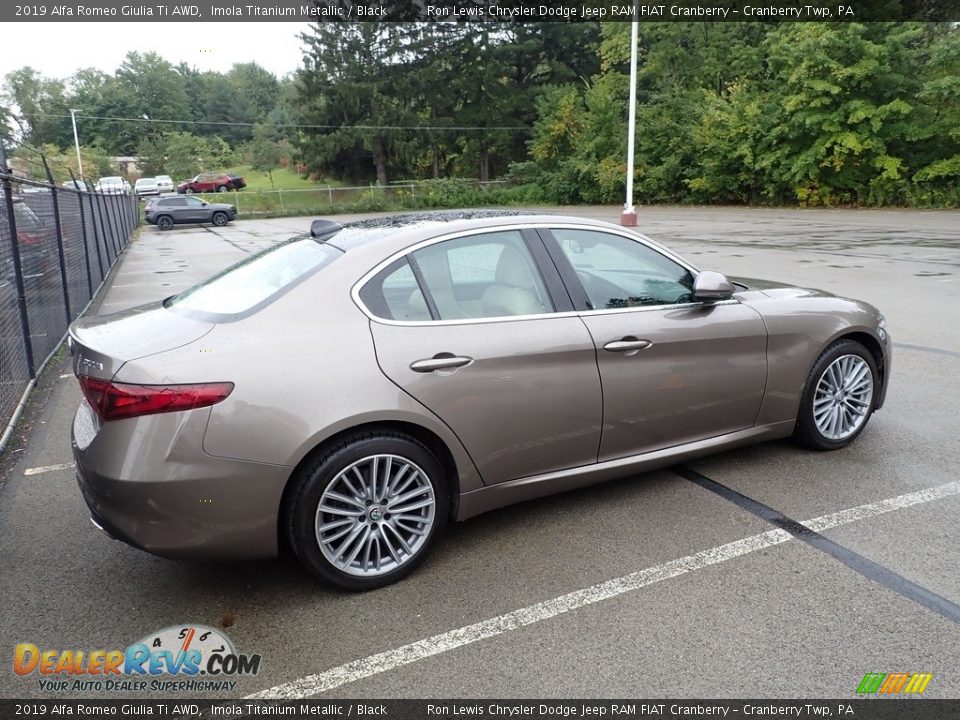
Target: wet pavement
(769, 617)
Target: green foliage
(267, 149)
(852, 113)
(39, 100)
(28, 159)
(185, 155)
(808, 113)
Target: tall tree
(352, 82)
(38, 106)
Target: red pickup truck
(211, 182)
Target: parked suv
(211, 182)
(165, 212)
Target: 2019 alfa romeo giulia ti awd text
(350, 392)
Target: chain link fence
(57, 245)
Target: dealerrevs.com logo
(175, 659)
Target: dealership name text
(531, 12)
(571, 710)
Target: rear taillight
(115, 401)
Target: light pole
(628, 217)
(76, 140)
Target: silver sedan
(348, 393)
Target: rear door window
(394, 294)
(483, 276)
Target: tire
(222, 188)
(838, 398)
(333, 474)
(220, 219)
(165, 222)
(189, 191)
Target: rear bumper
(148, 483)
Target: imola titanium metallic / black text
(349, 392)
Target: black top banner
(497, 11)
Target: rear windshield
(253, 283)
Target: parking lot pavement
(647, 586)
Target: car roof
(401, 230)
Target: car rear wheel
(838, 398)
(165, 222)
(366, 512)
(220, 218)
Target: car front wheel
(838, 398)
(189, 191)
(366, 512)
(220, 219)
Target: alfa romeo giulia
(348, 393)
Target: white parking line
(48, 468)
(407, 654)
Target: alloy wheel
(375, 515)
(843, 397)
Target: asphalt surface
(781, 618)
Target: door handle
(629, 345)
(440, 361)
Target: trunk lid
(102, 344)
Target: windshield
(253, 283)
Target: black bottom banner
(878, 709)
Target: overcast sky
(59, 49)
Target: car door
(479, 330)
(673, 370)
(196, 210)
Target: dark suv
(165, 212)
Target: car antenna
(324, 229)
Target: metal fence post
(17, 269)
(83, 234)
(103, 233)
(282, 208)
(96, 239)
(114, 224)
(58, 227)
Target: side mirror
(711, 287)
